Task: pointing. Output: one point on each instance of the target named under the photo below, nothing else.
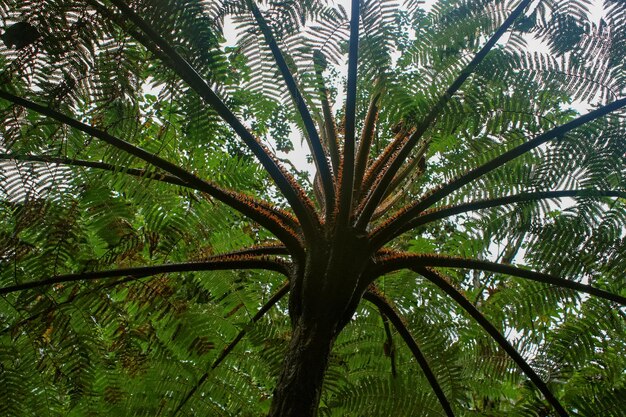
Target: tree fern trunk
(322, 300)
(300, 383)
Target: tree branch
(396, 261)
(444, 285)
(284, 216)
(347, 164)
(329, 126)
(385, 232)
(375, 297)
(438, 213)
(140, 173)
(403, 153)
(301, 205)
(365, 144)
(275, 298)
(216, 263)
(319, 156)
(244, 204)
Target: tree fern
(459, 250)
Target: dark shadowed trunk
(300, 383)
(324, 296)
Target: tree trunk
(300, 383)
(323, 297)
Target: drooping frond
(387, 309)
(238, 202)
(445, 286)
(282, 291)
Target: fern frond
(455, 184)
(387, 309)
(445, 286)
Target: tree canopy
(459, 250)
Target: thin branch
(301, 205)
(319, 156)
(240, 202)
(318, 190)
(438, 213)
(330, 128)
(403, 153)
(389, 346)
(365, 144)
(216, 263)
(386, 308)
(373, 172)
(413, 169)
(68, 301)
(393, 262)
(444, 285)
(275, 298)
(389, 230)
(407, 170)
(347, 163)
(389, 202)
(135, 172)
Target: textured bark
(300, 383)
(324, 295)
